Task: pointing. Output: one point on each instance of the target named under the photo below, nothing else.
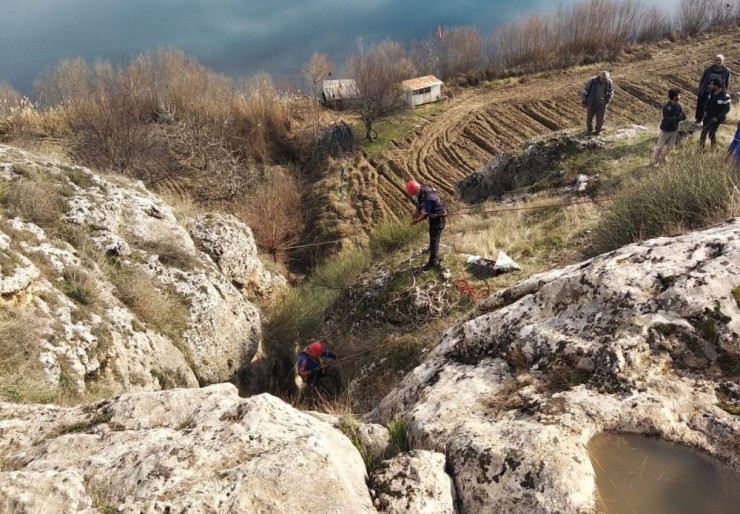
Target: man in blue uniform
(309, 367)
(715, 112)
(429, 206)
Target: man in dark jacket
(429, 206)
(715, 112)
(595, 96)
(672, 115)
(716, 71)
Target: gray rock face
(118, 292)
(645, 339)
(230, 244)
(187, 450)
(414, 482)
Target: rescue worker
(309, 367)
(429, 206)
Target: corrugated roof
(422, 82)
(340, 88)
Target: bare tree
(378, 73)
(461, 50)
(695, 15)
(10, 99)
(426, 54)
(315, 71)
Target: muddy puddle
(640, 475)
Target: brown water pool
(642, 475)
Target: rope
(461, 213)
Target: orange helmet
(412, 187)
(315, 349)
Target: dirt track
(477, 123)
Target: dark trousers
(435, 234)
(597, 109)
(710, 129)
(701, 103)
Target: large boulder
(230, 244)
(109, 287)
(414, 482)
(645, 339)
(187, 450)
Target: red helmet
(412, 187)
(315, 349)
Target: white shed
(422, 90)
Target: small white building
(422, 90)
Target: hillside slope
(476, 124)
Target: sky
(235, 37)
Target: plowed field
(478, 123)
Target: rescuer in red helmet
(309, 366)
(429, 206)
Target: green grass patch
(392, 235)
(395, 128)
(399, 435)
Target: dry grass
(22, 377)
(155, 304)
(35, 199)
(536, 239)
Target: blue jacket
(430, 205)
(734, 148)
(307, 364)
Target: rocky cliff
(110, 292)
(645, 339)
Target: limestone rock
(195, 450)
(230, 244)
(644, 339)
(112, 288)
(414, 482)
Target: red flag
(439, 31)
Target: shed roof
(337, 89)
(422, 82)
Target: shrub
(696, 191)
(272, 212)
(399, 435)
(35, 198)
(392, 234)
(79, 286)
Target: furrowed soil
(460, 135)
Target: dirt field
(478, 123)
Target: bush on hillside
(393, 234)
(694, 191)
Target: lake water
(235, 37)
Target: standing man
(672, 115)
(595, 96)
(429, 206)
(715, 112)
(717, 71)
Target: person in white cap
(718, 71)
